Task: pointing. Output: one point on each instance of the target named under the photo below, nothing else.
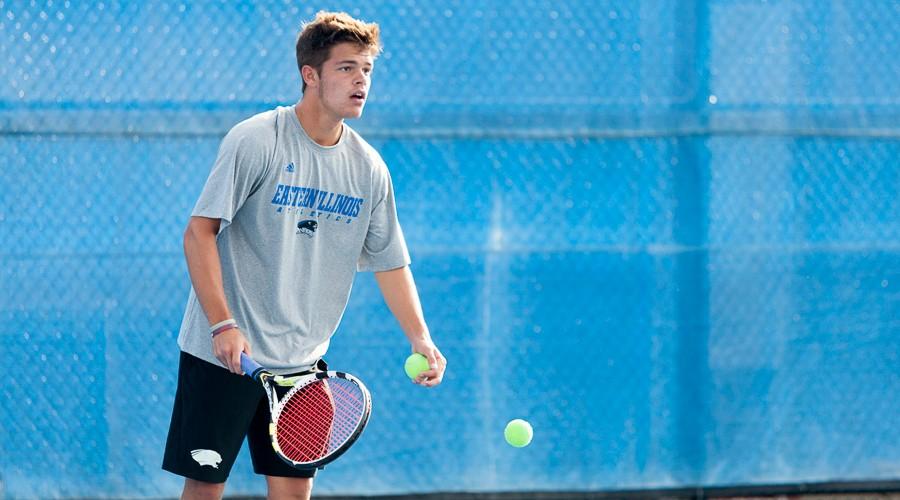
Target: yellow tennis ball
(416, 364)
(518, 433)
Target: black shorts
(214, 410)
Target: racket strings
(319, 418)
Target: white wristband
(220, 324)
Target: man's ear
(309, 75)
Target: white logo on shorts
(207, 457)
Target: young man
(295, 204)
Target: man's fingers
(231, 360)
(432, 360)
(227, 348)
(430, 378)
(437, 364)
(431, 382)
(427, 374)
(246, 349)
(235, 362)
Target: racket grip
(251, 368)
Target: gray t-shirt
(297, 221)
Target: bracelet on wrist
(222, 326)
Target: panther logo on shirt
(307, 227)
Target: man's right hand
(228, 346)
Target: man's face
(345, 79)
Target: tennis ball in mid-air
(518, 433)
(416, 364)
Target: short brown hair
(328, 29)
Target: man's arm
(400, 294)
(205, 268)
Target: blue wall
(666, 233)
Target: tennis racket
(318, 419)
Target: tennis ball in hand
(518, 433)
(416, 364)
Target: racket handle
(251, 368)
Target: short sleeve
(240, 166)
(384, 248)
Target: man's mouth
(359, 96)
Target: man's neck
(320, 127)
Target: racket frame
(276, 404)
